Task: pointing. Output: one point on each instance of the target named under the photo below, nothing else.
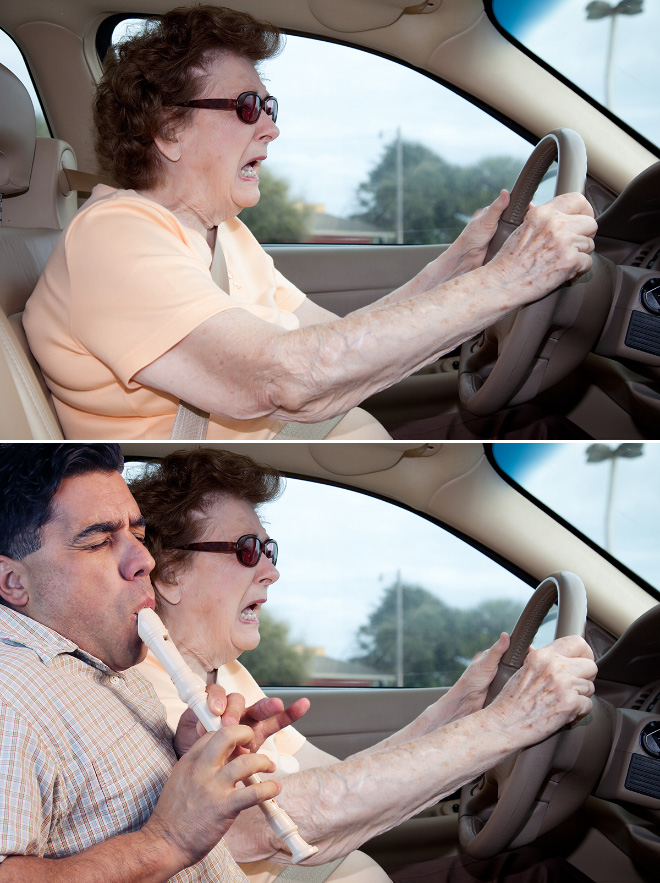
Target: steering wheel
(539, 344)
(540, 786)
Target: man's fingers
(265, 708)
(216, 698)
(251, 795)
(271, 716)
(234, 711)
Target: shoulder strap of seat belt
(191, 423)
(307, 431)
(315, 874)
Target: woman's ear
(12, 582)
(167, 141)
(168, 145)
(167, 586)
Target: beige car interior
(458, 486)
(436, 37)
(36, 203)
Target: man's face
(91, 575)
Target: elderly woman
(134, 313)
(214, 567)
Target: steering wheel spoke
(533, 790)
(542, 342)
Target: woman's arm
(340, 806)
(237, 365)
(466, 253)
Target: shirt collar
(21, 630)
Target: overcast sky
(337, 555)
(340, 107)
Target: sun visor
(351, 16)
(363, 459)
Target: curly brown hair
(163, 65)
(175, 494)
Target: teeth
(249, 615)
(249, 172)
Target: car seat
(35, 204)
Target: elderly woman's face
(220, 155)
(213, 610)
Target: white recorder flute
(192, 690)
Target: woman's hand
(468, 694)
(552, 246)
(553, 687)
(468, 250)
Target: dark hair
(161, 66)
(30, 475)
(175, 494)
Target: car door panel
(344, 278)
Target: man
(91, 786)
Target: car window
(10, 56)
(373, 595)
(372, 152)
(608, 492)
(608, 50)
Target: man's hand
(200, 799)
(265, 717)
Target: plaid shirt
(84, 750)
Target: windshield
(609, 492)
(606, 49)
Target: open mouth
(250, 171)
(250, 614)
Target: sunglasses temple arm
(192, 691)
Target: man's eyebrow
(108, 527)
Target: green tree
(438, 640)
(276, 217)
(276, 661)
(438, 197)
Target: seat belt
(191, 424)
(84, 182)
(307, 431)
(315, 874)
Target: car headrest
(18, 132)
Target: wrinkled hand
(469, 691)
(468, 250)
(265, 717)
(553, 245)
(200, 800)
(475, 237)
(552, 688)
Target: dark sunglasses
(248, 105)
(248, 549)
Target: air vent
(654, 260)
(640, 699)
(640, 256)
(652, 704)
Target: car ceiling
(452, 39)
(457, 485)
